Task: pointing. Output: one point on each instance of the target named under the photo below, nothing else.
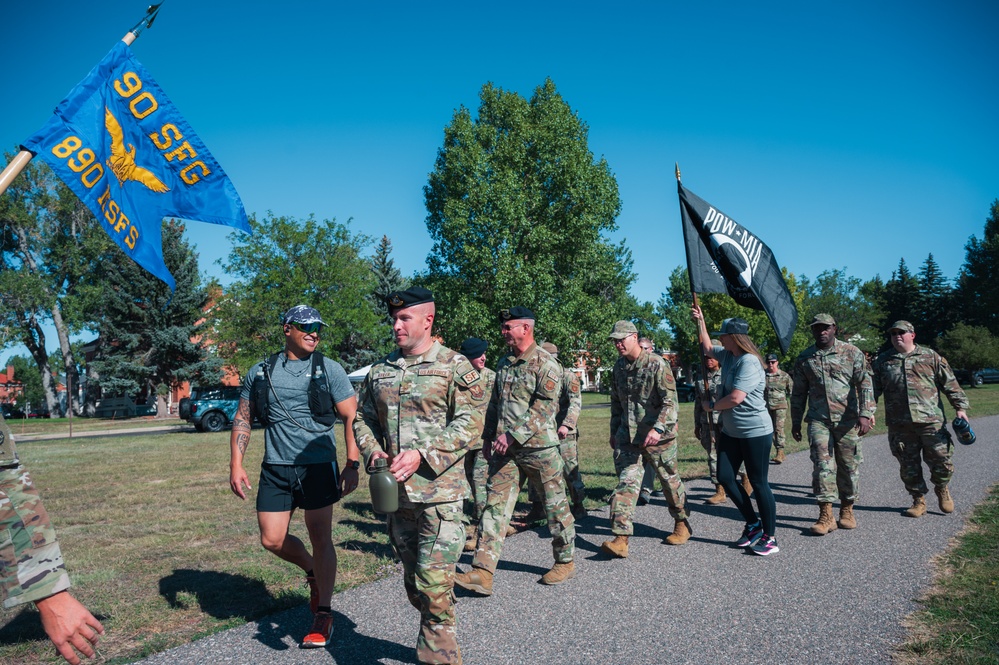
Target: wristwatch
(353, 464)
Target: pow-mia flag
(122, 147)
(724, 257)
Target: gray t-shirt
(293, 437)
(745, 373)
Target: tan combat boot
(681, 533)
(779, 457)
(946, 502)
(746, 485)
(471, 537)
(717, 497)
(476, 580)
(559, 573)
(617, 547)
(846, 518)
(825, 523)
(918, 508)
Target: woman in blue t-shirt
(746, 428)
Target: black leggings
(755, 452)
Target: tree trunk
(69, 361)
(34, 339)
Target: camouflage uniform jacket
(569, 401)
(432, 405)
(911, 384)
(31, 566)
(525, 399)
(714, 383)
(488, 381)
(836, 384)
(779, 388)
(643, 397)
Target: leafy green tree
(674, 308)
(26, 373)
(146, 332)
(969, 347)
(978, 281)
(287, 262)
(518, 209)
(934, 312)
(49, 248)
(388, 279)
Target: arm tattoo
(242, 441)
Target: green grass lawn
(160, 549)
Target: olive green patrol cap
(550, 348)
(904, 326)
(822, 320)
(622, 329)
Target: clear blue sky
(847, 134)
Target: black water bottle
(384, 488)
(965, 434)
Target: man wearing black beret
(476, 465)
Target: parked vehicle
(11, 412)
(210, 409)
(987, 375)
(685, 392)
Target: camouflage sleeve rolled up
(31, 566)
(570, 401)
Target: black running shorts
(284, 487)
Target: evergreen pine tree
(933, 304)
(978, 283)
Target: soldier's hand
(563, 432)
(238, 480)
(864, 426)
(501, 444)
(69, 625)
(652, 438)
(796, 433)
(348, 481)
(961, 414)
(405, 465)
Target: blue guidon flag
(120, 144)
(725, 257)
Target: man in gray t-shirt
(298, 398)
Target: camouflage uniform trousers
(710, 447)
(428, 538)
(542, 466)
(629, 463)
(836, 458)
(574, 486)
(778, 417)
(476, 472)
(31, 566)
(933, 443)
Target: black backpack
(320, 400)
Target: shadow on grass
(222, 595)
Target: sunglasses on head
(308, 328)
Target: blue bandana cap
(302, 314)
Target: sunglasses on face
(307, 328)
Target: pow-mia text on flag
(122, 147)
(725, 257)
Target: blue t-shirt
(293, 437)
(745, 373)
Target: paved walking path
(840, 598)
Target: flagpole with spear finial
(704, 359)
(22, 158)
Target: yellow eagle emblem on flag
(122, 161)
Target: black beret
(473, 347)
(517, 312)
(414, 295)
